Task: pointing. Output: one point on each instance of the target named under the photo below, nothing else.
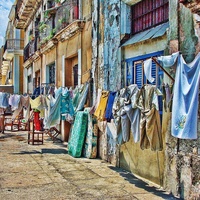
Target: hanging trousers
(130, 119)
(150, 127)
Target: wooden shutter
(149, 13)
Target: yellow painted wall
(145, 47)
(47, 59)
(86, 51)
(68, 49)
(37, 65)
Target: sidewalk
(47, 172)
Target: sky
(5, 6)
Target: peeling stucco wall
(182, 169)
(112, 61)
(106, 58)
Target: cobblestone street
(48, 172)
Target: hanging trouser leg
(144, 142)
(125, 123)
(134, 117)
(117, 122)
(153, 130)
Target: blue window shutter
(153, 72)
(138, 74)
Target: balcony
(57, 18)
(12, 47)
(30, 49)
(25, 10)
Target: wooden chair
(53, 133)
(14, 124)
(34, 137)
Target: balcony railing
(30, 49)
(57, 18)
(14, 44)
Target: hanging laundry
(83, 97)
(77, 137)
(37, 104)
(185, 99)
(150, 126)
(111, 132)
(167, 96)
(100, 111)
(37, 121)
(130, 114)
(54, 115)
(96, 102)
(14, 100)
(23, 103)
(76, 95)
(4, 100)
(168, 61)
(117, 111)
(36, 93)
(80, 96)
(108, 114)
(58, 91)
(50, 101)
(148, 69)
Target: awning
(148, 34)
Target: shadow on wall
(141, 184)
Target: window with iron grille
(149, 13)
(51, 73)
(75, 75)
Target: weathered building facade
(125, 34)
(68, 43)
(57, 42)
(58, 48)
(12, 64)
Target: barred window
(51, 73)
(149, 13)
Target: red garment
(37, 121)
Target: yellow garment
(100, 111)
(37, 104)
